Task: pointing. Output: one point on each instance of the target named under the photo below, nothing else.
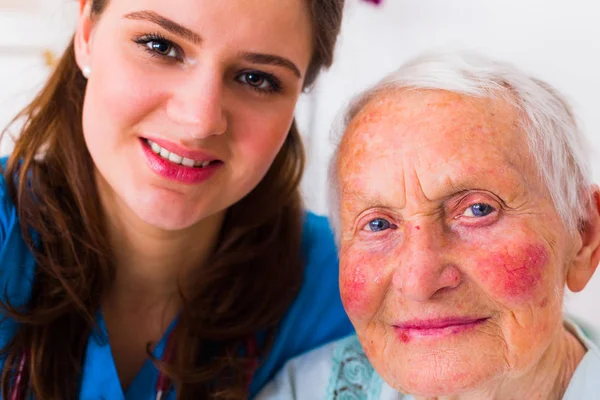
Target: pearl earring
(86, 71)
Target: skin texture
(415, 168)
(199, 96)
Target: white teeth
(155, 147)
(176, 158)
(187, 162)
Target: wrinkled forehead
(443, 138)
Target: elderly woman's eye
(378, 225)
(478, 210)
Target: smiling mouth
(178, 159)
(423, 325)
(436, 327)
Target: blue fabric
(315, 317)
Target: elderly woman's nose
(423, 269)
(198, 106)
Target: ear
(83, 34)
(584, 265)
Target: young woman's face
(189, 101)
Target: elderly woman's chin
(477, 355)
(440, 375)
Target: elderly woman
(463, 207)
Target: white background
(557, 40)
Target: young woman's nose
(197, 105)
(423, 270)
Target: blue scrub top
(315, 317)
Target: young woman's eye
(159, 46)
(259, 81)
(163, 48)
(478, 210)
(379, 225)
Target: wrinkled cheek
(515, 275)
(353, 291)
(358, 288)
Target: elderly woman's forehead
(409, 120)
(405, 110)
(440, 136)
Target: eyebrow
(269, 59)
(191, 36)
(166, 24)
(375, 201)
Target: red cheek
(515, 275)
(352, 289)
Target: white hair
(558, 147)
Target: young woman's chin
(170, 213)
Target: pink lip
(182, 151)
(178, 172)
(436, 327)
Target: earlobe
(586, 261)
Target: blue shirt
(315, 317)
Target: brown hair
(48, 179)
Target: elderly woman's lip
(440, 323)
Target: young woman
(152, 237)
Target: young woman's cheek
(127, 90)
(514, 273)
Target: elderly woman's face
(453, 258)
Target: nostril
(450, 276)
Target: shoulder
(317, 236)
(303, 377)
(316, 316)
(320, 295)
(7, 209)
(337, 367)
(16, 261)
(9, 221)
(318, 248)
(585, 382)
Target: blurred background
(556, 40)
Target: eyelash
(479, 203)
(157, 37)
(478, 221)
(274, 83)
(364, 225)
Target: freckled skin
(419, 159)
